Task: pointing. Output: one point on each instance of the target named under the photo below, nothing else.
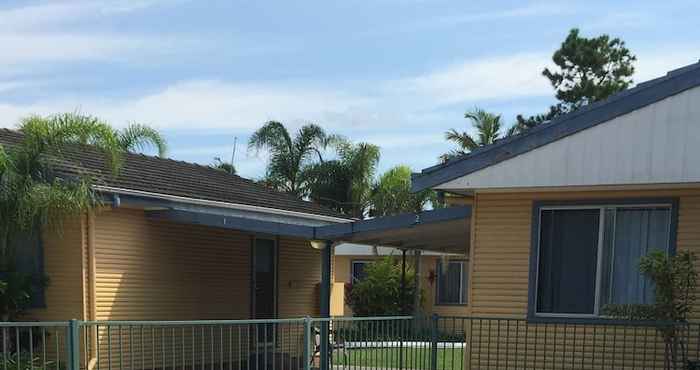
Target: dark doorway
(264, 286)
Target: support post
(73, 345)
(326, 256)
(307, 344)
(416, 283)
(403, 282)
(404, 304)
(434, 342)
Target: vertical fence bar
(307, 343)
(72, 345)
(434, 342)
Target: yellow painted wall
(428, 266)
(500, 263)
(63, 265)
(63, 261)
(159, 270)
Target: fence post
(307, 343)
(73, 345)
(434, 342)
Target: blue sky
(397, 73)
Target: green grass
(414, 358)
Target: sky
(396, 73)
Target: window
(588, 256)
(358, 271)
(452, 282)
(29, 259)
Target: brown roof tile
(167, 176)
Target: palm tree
(392, 194)
(221, 165)
(488, 127)
(289, 156)
(345, 183)
(137, 137)
(34, 195)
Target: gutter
(213, 203)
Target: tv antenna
(233, 155)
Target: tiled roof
(170, 177)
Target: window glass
(451, 283)
(636, 232)
(567, 261)
(358, 270)
(577, 276)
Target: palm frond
(462, 139)
(54, 134)
(272, 135)
(137, 137)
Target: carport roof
(441, 230)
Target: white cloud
(536, 9)
(48, 15)
(503, 77)
(35, 48)
(39, 36)
(197, 105)
(656, 63)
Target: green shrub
(379, 292)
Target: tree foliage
(221, 165)
(379, 292)
(345, 183)
(34, 194)
(392, 194)
(289, 155)
(587, 70)
(675, 280)
(488, 128)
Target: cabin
(560, 216)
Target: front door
(264, 286)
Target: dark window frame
(537, 206)
(465, 288)
(352, 268)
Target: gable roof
(157, 175)
(624, 102)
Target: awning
(441, 230)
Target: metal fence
(506, 343)
(434, 343)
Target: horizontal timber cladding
(159, 270)
(299, 278)
(64, 296)
(499, 284)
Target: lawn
(414, 358)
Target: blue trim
(534, 244)
(619, 104)
(408, 220)
(237, 223)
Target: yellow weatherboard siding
(160, 270)
(63, 266)
(500, 273)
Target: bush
(379, 293)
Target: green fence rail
(403, 342)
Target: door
(264, 286)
